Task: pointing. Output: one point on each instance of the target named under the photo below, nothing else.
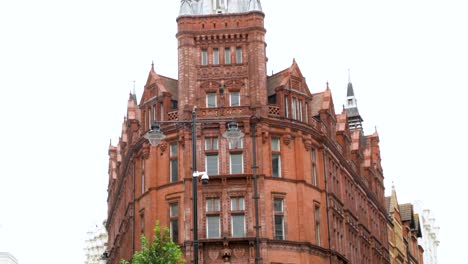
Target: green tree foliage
(161, 251)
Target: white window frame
(238, 212)
(211, 96)
(172, 217)
(217, 163)
(276, 152)
(282, 214)
(239, 59)
(236, 94)
(213, 213)
(294, 108)
(242, 162)
(171, 158)
(215, 56)
(204, 57)
(227, 56)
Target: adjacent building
(429, 240)
(96, 245)
(7, 258)
(319, 180)
(404, 229)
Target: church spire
(354, 118)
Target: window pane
(212, 226)
(173, 149)
(208, 144)
(293, 108)
(278, 205)
(227, 56)
(215, 143)
(215, 56)
(237, 204)
(234, 99)
(279, 234)
(317, 225)
(275, 165)
(212, 164)
(238, 225)
(210, 100)
(275, 144)
(175, 230)
(174, 210)
(174, 170)
(239, 55)
(236, 164)
(211, 143)
(204, 57)
(300, 110)
(212, 205)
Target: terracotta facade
(320, 184)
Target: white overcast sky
(67, 67)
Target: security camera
(204, 178)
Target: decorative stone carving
(307, 144)
(163, 146)
(213, 253)
(145, 150)
(239, 252)
(287, 139)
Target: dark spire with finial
(350, 85)
(354, 118)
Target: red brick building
(320, 182)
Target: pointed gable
(290, 79)
(327, 103)
(157, 85)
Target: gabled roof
(392, 201)
(162, 84)
(317, 100)
(288, 78)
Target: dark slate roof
(350, 89)
(171, 86)
(352, 112)
(406, 212)
(275, 80)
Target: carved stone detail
(163, 146)
(239, 252)
(213, 253)
(234, 71)
(287, 139)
